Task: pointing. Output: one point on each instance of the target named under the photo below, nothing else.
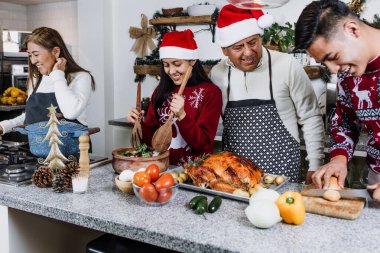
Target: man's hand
(336, 167)
(309, 174)
(376, 192)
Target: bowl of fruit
(152, 188)
(130, 158)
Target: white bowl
(201, 10)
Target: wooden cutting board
(344, 208)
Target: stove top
(17, 164)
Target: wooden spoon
(137, 131)
(163, 136)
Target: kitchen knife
(345, 194)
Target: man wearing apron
(266, 94)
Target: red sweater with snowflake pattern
(193, 135)
(358, 105)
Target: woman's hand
(60, 64)
(133, 115)
(1, 130)
(336, 167)
(376, 192)
(177, 106)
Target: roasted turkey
(225, 172)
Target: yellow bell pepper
(292, 209)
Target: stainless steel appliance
(17, 164)
(20, 76)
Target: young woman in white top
(54, 78)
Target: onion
(126, 175)
(263, 213)
(264, 194)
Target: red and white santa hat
(235, 24)
(179, 45)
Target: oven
(20, 76)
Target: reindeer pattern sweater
(358, 105)
(194, 134)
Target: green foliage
(280, 35)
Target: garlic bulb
(263, 213)
(264, 194)
(126, 175)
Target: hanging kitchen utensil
(163, 136)
(137, 131)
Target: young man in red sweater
(335, 36)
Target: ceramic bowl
(121, 162)
(201, 10)
(163, 195)
(124, 186)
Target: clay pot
(121, 162)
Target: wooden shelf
(313, 72)
(195, 20)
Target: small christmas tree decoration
(59, 183)
(43, 177)
(68, 172)
(55, 157)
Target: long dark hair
(49, 38)
(320, 18)
(166, 85)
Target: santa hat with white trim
(179, 45)
(235, 24)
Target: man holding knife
(337, 38)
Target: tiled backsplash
(61, 16)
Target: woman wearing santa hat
(266, 95)
(196, 112)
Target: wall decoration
(144, 38)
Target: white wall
(61, 16)
(13, 16)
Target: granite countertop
(173, 226)
(7, 108)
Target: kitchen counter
(104, 208)
(8, 108)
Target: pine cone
(70, 170)
(59, 183)
(43, 177)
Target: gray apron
(36, 107)
(253, 129)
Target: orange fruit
(15, 92)
(4, 100)
(11, 100)
(20, 99)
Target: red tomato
(166, 180)
(164, 195)
(148, 192)
(153, 171)
(140, 178)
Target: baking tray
(192, 187)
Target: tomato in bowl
(156, 193)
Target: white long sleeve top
(292, 91)
(73, 99)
